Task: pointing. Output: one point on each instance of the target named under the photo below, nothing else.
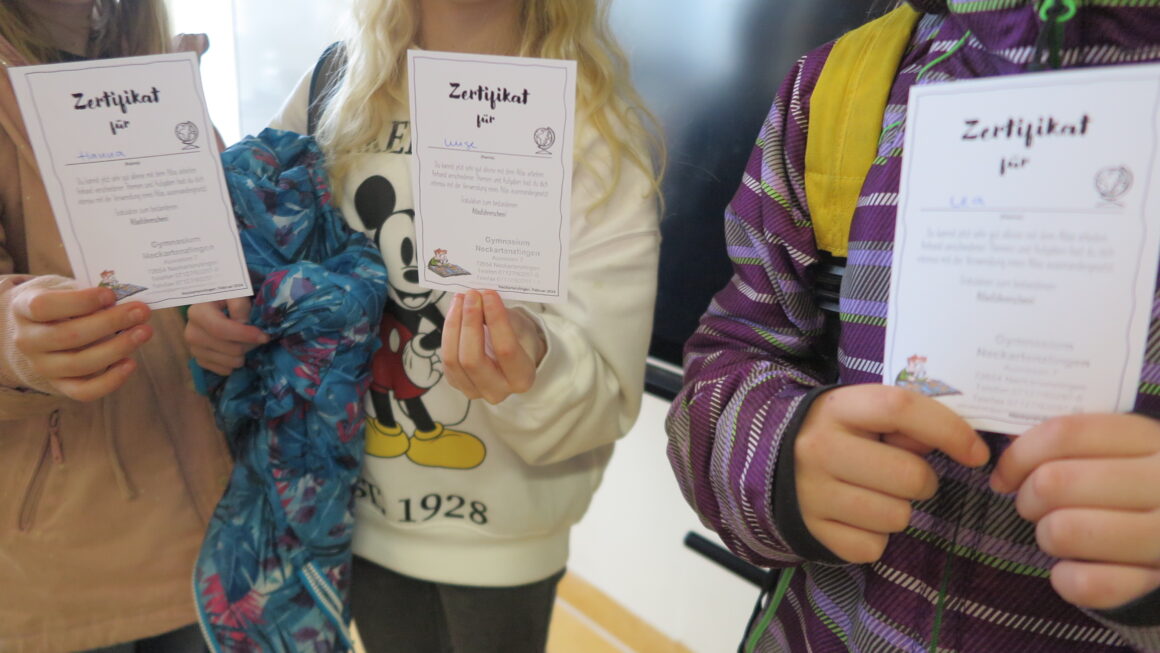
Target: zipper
(54, 441)
(316, 585)
(52, 451)
(328, 599)
(202, 622)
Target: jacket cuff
(15, 370)
(1144, 612)
(787, 513)
(545, 338)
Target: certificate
(492, 172)
(1025, 253)
(130, 163)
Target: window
(259, 49)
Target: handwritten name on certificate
(492, 172)
(1026, 244)
(130, 162)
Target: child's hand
(858, 463)
(78, 340)
(218, 335)
(1091, 485)
(489, 351)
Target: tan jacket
(102, 505)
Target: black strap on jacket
(327, 73)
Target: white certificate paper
(492, 172)
(1025, 256)
(129, 159)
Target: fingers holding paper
(1091, 485)
(79, 340)
(219, 336)
(489, 351)
(858, 464)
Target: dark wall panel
(709, 70)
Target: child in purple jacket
(896, 526)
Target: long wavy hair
(121, 28)
(374, 82)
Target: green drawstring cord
(941, 603)
(1054, 14)
(758, 630)
(941, 58)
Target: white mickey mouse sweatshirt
(464, 492)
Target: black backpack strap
(327, 73)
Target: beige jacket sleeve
(588, 387)
(15, 370)
(23, 393)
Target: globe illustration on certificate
(1113, 182)
(545, 138)
(187, 133)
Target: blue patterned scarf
(274, 569)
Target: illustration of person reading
(914, 377)
(121, 290)
(441, 265)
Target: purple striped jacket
(755, 356)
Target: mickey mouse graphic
(407, 363)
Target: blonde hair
(374, 85)
(121, 28)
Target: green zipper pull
(1055, 14)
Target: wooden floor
(586, 620)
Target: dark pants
(182, 640)
(399, 614)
